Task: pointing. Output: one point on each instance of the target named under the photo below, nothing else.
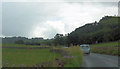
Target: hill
(107, 29)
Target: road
(99, 60)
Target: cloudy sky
(45, 19)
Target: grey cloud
(103, 4)
(60, 0)
(22, 18)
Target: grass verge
(76, 57)
(110, 48)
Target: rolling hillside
(106, 30)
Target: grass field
(110, 48)
(26, 57)
(20, 45)
(12, 57)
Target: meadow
(28, 57)
(20, 45)
(110, 48)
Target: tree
(59, 39)
(103, 31)
(19, 42)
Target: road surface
(99, 60)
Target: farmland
(20, 45)
(27, 57)
(30, 57)
(35, 56)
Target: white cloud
(60, 0)
(46, 19)
(77, 14)
(49, 29)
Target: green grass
(20, 45)
(12, 57)
(110, 48)
(0, 56)
(77, 60)
(72, 56)
(108, 44)
(28, 57)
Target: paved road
(99, 60)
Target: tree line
(106, 30)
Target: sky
(46, 19)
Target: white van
(85, 48)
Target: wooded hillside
(107, 29)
